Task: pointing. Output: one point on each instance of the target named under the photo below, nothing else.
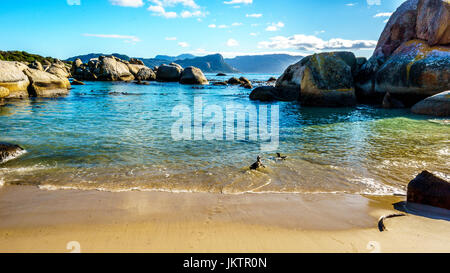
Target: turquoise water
(117, 137)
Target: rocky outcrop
(145, 74)
(270, 93)
(400, 28)
(437, 105)
(9, 151)
(415, 70)
(193, 75)
(412, 53)
(433, 17)
(112, 69)
(327, 80)
(43, 84)
(136, 61)
(169, 73)
(428, 189)
(13, 78)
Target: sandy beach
(34, 220)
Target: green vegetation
(22, 56)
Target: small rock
(390, 103)
(9, 151)
(221, 75)
(76, 82)
(437, 105)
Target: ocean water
(117, 137)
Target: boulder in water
(193, 75)
(428, 189)
(43, 84)
(13, 78)
(169, 73)
(437, 105)
(146, 74)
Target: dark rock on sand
(428, 189)
(437, 105)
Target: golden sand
(34, 220)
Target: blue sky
(145, 28)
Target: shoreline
(35, 220)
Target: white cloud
(254, 15)
(159, 8)
(253, 34)
(126, 38)
(160, 11)
(183, 44)
(232, 43)
(351, 4)
(127, 3)
(236, 24)
(212, 26)
(373, 2)
(172, 3)
(73, 2)
(232, 2)
(275, 26)
(188, 14)
(383, 14)
(171, 38)
(222, 26)
(313, 43)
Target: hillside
(22, 56)
(275, 63)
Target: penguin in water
(257, 165)
(279, 157)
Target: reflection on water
(117, 136)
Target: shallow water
(117, 137)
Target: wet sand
(34, 220)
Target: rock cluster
(410, 63)
(23, 81)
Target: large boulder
(169, 73)
(193, 75)
(433, 17)
(145, 74)
(292, 76)
(428, 189)
(43, 84)
(415, 71)
(9, 151)
(270, 93)
(437, 105)
(13, 78)
(112, 69)
(400, 28)
(134, 68)
(327, 80)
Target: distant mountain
(274, 63)
(209, 64)
(173, 58)
(87, 57)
